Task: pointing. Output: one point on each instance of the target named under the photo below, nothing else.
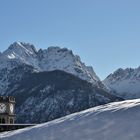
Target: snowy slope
(108, 122)
(125, 82)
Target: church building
(7, 107)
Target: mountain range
(55, 88)
(50, 83)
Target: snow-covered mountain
(53, 58)
(48, 84)
(108, 122)
(125, 83)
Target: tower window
(3, 120)
(11, 121)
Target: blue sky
(105, 33)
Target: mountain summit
(125, 83)
(20, 50)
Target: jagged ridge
(53, 58)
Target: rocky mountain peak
(27, 47)
(56, 58)
(125, 82)
(20, 51)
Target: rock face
(48, 84)
(125, 83)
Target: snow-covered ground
(114, 121)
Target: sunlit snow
(114, 121)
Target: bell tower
(7, 107)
